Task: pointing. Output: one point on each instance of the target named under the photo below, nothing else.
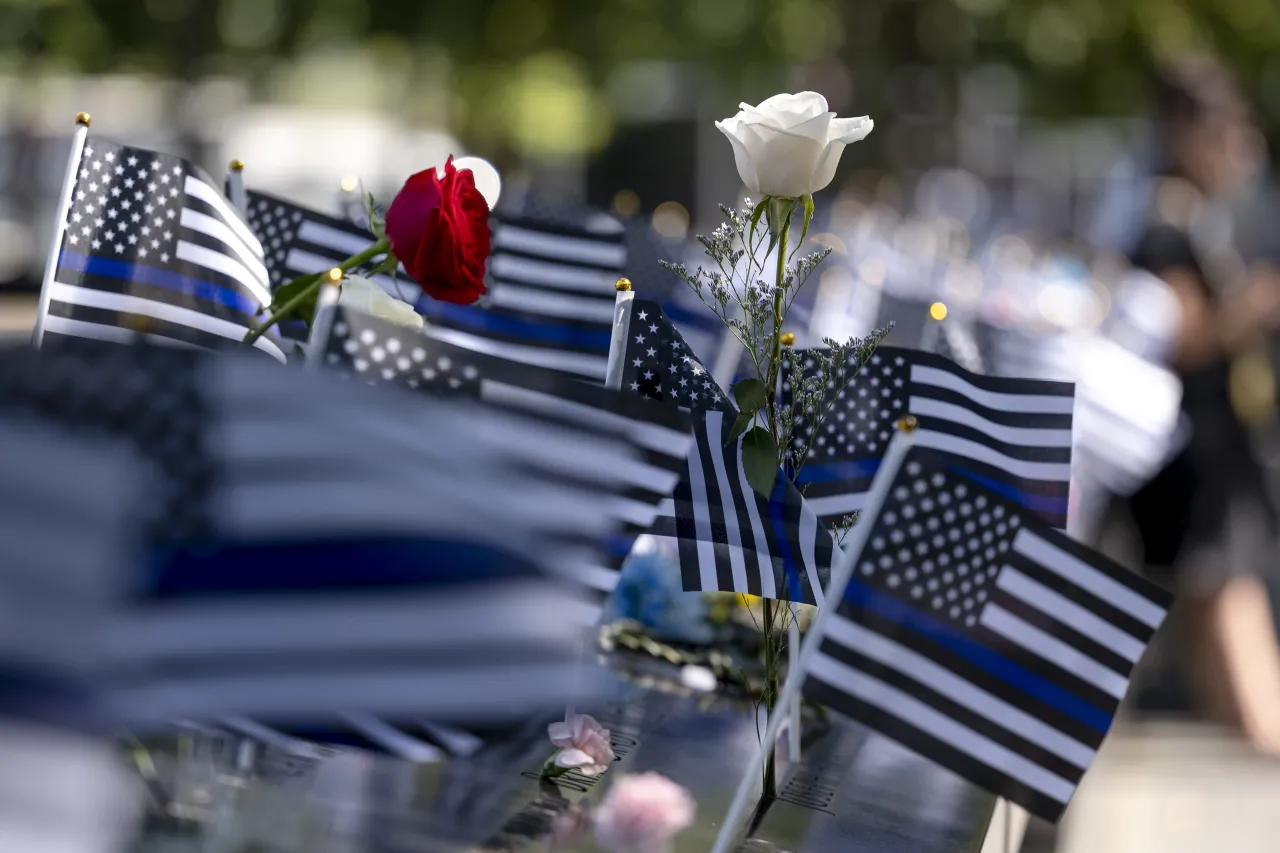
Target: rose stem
(770, 652)
(378, 248)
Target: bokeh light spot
(671, 220)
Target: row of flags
(550, 297)
(998, 652)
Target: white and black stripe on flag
(152, 247)
(384, 353)
(354, 567)
(1011, 435)
(983, 639)
(551, 294)
(307, 634)
(550, 299)
(731, 539)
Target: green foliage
(305, 309)
(750, 395)
(1074, 57)
(760, 459)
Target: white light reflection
(488, 181)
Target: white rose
(789, 146)
(362, 294)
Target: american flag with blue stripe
(732, 539)
(152, 248)
(1011, 435)
(729, 538)
(981, 638)
(550, 284)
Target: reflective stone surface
(852, 791)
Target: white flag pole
(840, 575)
(613, 381)
(322, 325)
(621, 328)
(793, 712)
(793, 627)
(83, 120)
(235, 187)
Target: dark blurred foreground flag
(981, 638)
(341, 564)
(70, 533)
(730, 539)
(151, 247)
(1011, 435)
(383, 353)
(550, 299)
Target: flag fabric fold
(732, 539)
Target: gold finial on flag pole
(84, 119)
(908, 423)
(622, 285)
(237, 165)
(787, 339)
(334, 276)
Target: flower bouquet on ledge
(786, 149)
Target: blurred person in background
(1207, 522)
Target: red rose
(439, 229)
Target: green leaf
(755, 214)
(760, 460)
(750, 395)
(304, 310)
(741, 425)
(376, 224)
(779, 214)
(804, 232)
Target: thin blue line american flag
(152, 248)
(1012, 435)
(729, 538)
(981, 638)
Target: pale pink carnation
(641, 813)
(569, 827)
(584, 744)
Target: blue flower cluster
(649, 592)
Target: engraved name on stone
(814, 783)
